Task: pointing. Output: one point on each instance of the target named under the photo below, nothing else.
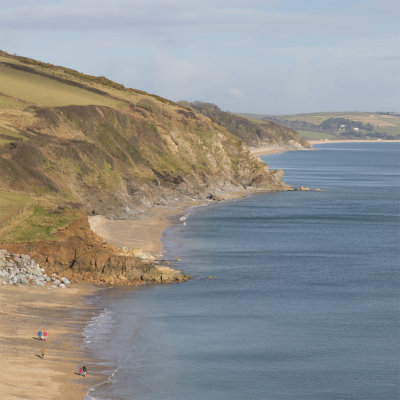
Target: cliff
(255, 133)
(70, 141)
(81, 255)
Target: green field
(35, 223)
(27, 88)
(395, 131)
(313, 119)
(316, 135)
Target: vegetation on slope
(73, 141)
(345, 125)
(254, 133)
(36, 223)
(10, 205)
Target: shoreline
(354, 141)
(144, 234)
(274, 149)
(63, 313)
(26, 310)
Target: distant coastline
(274, 149)
(353, 141)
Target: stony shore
(21, 269)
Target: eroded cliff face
(85, 142)
(255, 133)
(80, 255)
(114, 162)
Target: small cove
(304, 304)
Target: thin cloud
(271, 56)
(167, 16)
(236, 93)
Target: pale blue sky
(261, 56)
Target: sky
(254, 56)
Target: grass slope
(74, 141)
(27, 88)
(36, 223)
(10, 205)
(383, 124)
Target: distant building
(356, 129)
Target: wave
(99, 327)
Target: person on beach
(42, 351)
(40, 335)
(84, 370)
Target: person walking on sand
(84, 370)
(42, 350)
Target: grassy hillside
(342, 125)
(10, 205)
(29, 88)
(70, 141)
(253, 132)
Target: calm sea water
(305, 300)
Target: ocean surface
(305, 300)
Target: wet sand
(63, 314)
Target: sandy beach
(63, 314)
(352, 141)
(141, 233)
(144, 233)
(265, 150)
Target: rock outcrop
(80, 255)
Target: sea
(294, 296)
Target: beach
(141, 233)
(353, 141)
(288, 268)
(274, 149)
(265, 150)
(63, 314)
(144, 233)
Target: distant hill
(343, 125)
(254, 133)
